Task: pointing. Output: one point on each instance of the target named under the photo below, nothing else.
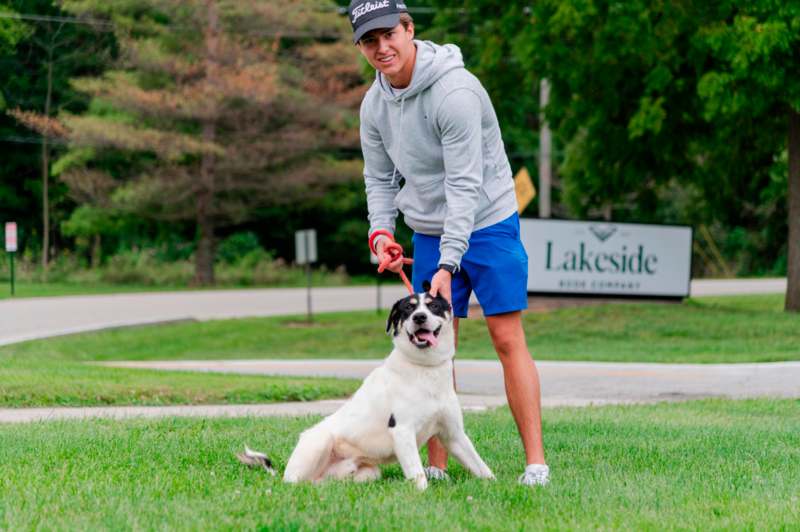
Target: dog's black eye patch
(392, 422)
(438, 305)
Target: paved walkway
(562, 382)
(480, 385)
(32, 318)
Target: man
(428, 122)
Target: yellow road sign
(524, 188)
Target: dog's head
(422, 326)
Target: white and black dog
(399, 406)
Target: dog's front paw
(487, 474)
(421, 482)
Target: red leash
(392, 252)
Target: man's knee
(507, 335)
(509, 349)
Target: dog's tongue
(429, 336)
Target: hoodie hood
(433, 61)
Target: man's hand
(394, 266)
(440, 284)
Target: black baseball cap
(368, 15)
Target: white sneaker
(535, 475)
(434, 473)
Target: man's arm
(459, 119)
(382, 185)
(379, 177)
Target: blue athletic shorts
(495, 266)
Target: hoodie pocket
(421, 200)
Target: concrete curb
(469, 403)
(475, 403)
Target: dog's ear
(426, 286)
(394, 318)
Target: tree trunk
(46, 172)
(97, 251)
(204, 257)
(793, 267)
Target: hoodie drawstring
(402, 107)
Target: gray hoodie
(442, 137)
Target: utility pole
(545, 150)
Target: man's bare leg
(437, 454)
(521, 381)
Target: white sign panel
(11, 237)
(568, 257)
(305, 246)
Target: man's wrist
(449, 268)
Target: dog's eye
(409, 306)
(434, 306)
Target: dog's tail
(253, 458)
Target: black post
(308, 276)
(11, 255)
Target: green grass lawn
(54, 383)
(730, 329)
(699, 465)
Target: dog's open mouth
(425, 338)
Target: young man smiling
(429, 123)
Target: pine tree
(219, 106)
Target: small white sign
(567, 257)
(11, 237)
(305, 246)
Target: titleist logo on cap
(368, 7)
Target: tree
(218, 106)
(50, 51)
(755, 77)
(658, 104)
(620, 107)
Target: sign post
(305, 246)
(11, 247)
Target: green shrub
(144, 267)
(237, 246)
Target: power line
(104, 25)
(31, 140)
(66, 20)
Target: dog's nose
(419, 318)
